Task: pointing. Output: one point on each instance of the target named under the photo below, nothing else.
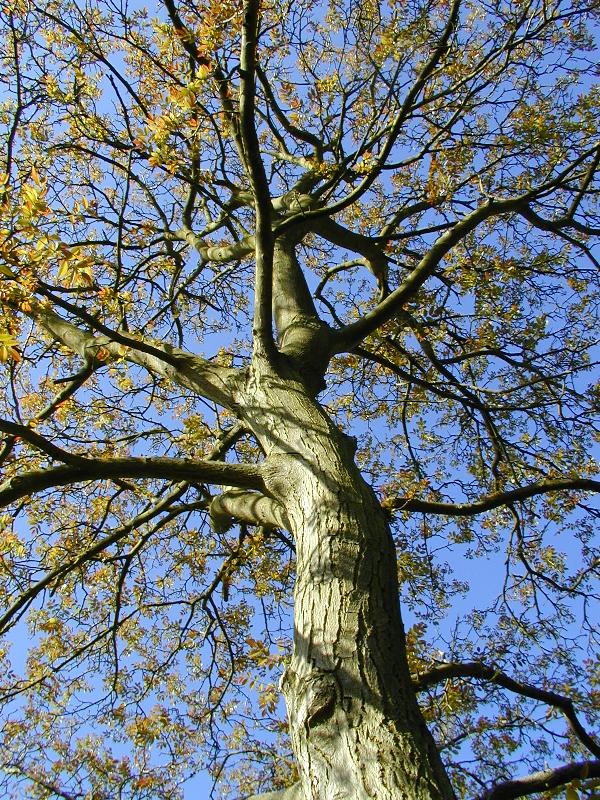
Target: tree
(300, 298)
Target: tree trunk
(355, 726)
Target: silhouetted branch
(493, 500)
(82, 469)
(479, 671)
(542, 781)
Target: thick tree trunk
(355, 725)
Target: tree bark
(355, 726)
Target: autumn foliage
(398, 202)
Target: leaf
(8, 342)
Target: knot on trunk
(315, 696)
(322, 704)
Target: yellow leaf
(64, 270)
(571, 793)
(7, 339)
(7, 350)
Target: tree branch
(263, 288)
(293, 130)
(216, 254)
(395, 129)
(249, 507)
(165, 503)
(194, 373)
(82, 469)
(20, 605)
(479, 671)
(542, 781)
(188, 42)
(38, 441)
(358, 243)
(556, 225)
(493, 500)
(352, 334)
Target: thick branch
(285, 204)
(493, 500)
(303, 336)
(542, 781)
(352, 334)
(82, 469)
(194, 373)
(249, 507)
(291, 296)
(556, 225)
(164, 503)
(217, 254)
(476, 669)
(263, 290)
(358, 243)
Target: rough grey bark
(355, 725)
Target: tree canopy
(221, 222)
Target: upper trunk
(355, 725)
(304, 339)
